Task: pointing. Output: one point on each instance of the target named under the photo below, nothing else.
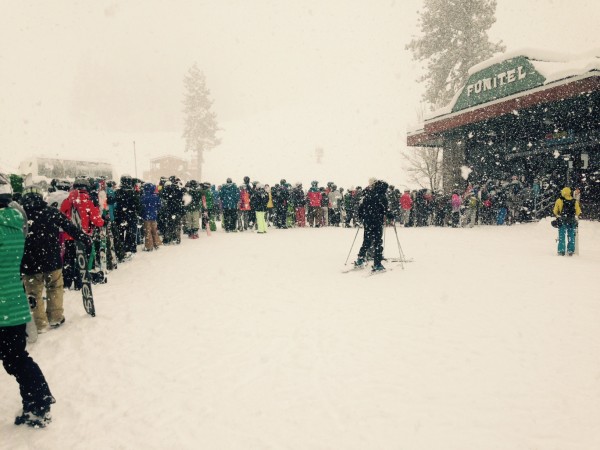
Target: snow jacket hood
(559, 204)
(566, 193)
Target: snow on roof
(553, 66)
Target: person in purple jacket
(150, 206)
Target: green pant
(260, 222)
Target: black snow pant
(280, 216)
(230, 219)
(128, 234)
(373, 237)
(35, 392)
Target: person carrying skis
(373, 211)
(567, 210)
(15, 314)
(41, 265)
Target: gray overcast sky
(117, 66)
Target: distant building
(165, 166)
(64, 168)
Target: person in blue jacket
(150, 205)
(230, 197)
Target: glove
(32, 301)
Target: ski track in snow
(244, 341)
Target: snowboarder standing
(41, 265)
(14, 315)
(372, 211)
(566, 210)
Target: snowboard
(82, 264)
(111, 254)
(86, 279)
(99, 272)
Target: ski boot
(378, 268)
(359, 263)
(36, 416)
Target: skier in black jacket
(372, 211)
(127, 211)
(41, 264)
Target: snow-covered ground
(487, 340)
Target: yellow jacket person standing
(567, 210)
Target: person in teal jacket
(15, 313)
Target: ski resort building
(165, 166)
(49, 168)
(531, 114)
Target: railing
(543, 204)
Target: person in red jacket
(78, 200)
(314, 205)
(244, 208)
(406, 204)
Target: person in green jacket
(15, 314)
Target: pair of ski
(400, 263)
(366, 270)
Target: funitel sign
(498, 81)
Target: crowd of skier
(44, 235)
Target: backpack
(568, 210)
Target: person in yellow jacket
(567, 210)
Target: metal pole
(135, 159)
(400, 252)
(347, 257)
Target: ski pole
(347, 257)
(400, 252)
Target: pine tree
(200, 126)
(454, 39)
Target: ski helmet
(81, 183)
(31, 191)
